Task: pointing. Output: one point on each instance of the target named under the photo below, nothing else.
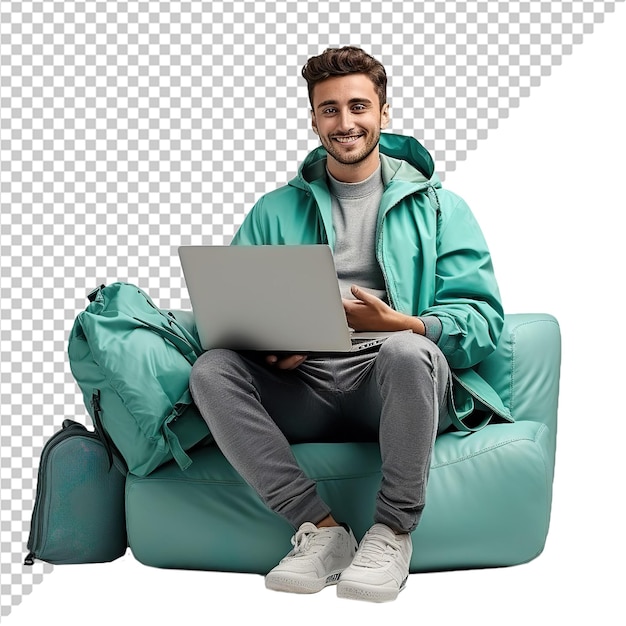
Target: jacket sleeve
(467, 298)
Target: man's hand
(369, 313)
(285, 362)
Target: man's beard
(351, 159)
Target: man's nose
(346, 121)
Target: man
(409, 256)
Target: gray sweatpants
(394, 394)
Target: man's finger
(291, 362)
(362, 295)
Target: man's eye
(329, 111)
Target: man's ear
(314, 122)
(384, 116)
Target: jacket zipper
(379, 244)
(379, 247)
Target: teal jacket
(432, 253)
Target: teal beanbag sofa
(488, 500)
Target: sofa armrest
(525, 368)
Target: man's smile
(347, 139)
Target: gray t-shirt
(355, 211)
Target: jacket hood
(407, 160)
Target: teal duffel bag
(132, 362)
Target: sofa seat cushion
(488, 504)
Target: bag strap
(113, 454)
(178, 452)
(187, 350)
(171, 318)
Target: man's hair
(344, 61)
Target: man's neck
(359, 190)
(354, 172)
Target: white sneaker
(318, 557)
(380, 569)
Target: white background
(547, 188)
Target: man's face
(348, 118)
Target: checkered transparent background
(129, 128)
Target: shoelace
(304, 539)
(376, 551)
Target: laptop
(278, 299)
